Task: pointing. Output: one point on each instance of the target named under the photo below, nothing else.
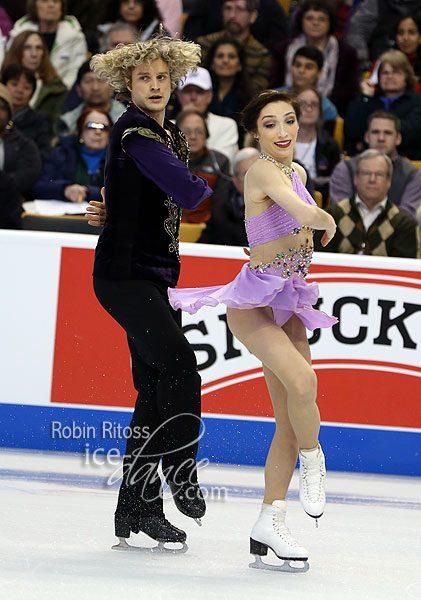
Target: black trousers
(166, 418)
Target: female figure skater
(269, 307)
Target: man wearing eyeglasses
(384, 134)
(367, 222)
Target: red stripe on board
(342, 269)
(351, 361)
(344, 396)
(340, 279)
(233, 376)
(205, 271)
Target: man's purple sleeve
(171, 175)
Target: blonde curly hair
(116, 65)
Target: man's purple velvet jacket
(147, 183)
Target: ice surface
(56, 523)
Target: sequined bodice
(275, 221)
(294, 262)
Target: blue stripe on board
(210, 490)
(224, 441)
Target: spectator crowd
(354, 66)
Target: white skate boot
(270, 531)
(312, 482)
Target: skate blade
(199, 522)
(316, 519)
(125, 547)
(285, 567)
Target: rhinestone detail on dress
(284, 168)
(294, 262)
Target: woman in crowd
(144, 15)
(20, 164)
(21, 83)
(209, 164)
(62, 34)
(225, 62)
(315, 26)
(407, 40)
(394, 92)
(28, 50)
(315, 149)
(270, 306)
(75, 168)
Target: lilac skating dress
(279, 284)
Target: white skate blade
(125, 547)
(286, 567)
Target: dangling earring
(81, 140)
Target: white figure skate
(270, 531)
(312, 482)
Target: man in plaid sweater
(368, 223)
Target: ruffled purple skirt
(252, 289)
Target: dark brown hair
(31, 9)
(87, 111)
(323, 6)
(14, 55)
(191, 111)
(252, 111)
(241, 83)
(250, 4)
(150, 13)
(15, 72)
(385, 114)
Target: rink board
(65, 367)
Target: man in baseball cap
(200, 78)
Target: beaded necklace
(287, 170)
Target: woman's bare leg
(282, 455)
(296, 332)
(291, 382)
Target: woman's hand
(96, 212)
(330, 231)
(75, 192)
(367, 88)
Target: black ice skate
(189, 499)
(159, 529)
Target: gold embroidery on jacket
(142, 131)
(179, 146)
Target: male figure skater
(147, 183)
